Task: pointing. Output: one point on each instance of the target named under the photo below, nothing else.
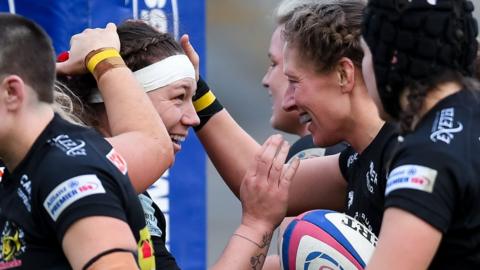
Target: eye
(273, 64)
(180, 97)
(292, 82)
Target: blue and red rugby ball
(327, 240)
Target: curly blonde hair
(65, 106)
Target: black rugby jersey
(435, 175)
(366, 178)
(304, 148)
(156, 225)
(69, 173)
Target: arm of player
(264, 196)
(82, 244)
(404, 233)
(138, 133)
(318, 182)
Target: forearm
(229, 147)
(247, 249)
(131, 115)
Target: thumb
(111, 27)
(62, 68)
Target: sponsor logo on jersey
(149, 211)
(351, 159)
(371, 177)
(117, 160)
(12, 245)
(350, 198)
(411, 176)
(2, 171)
(71, 191)
(146, 258)
(444, 126)
(24, 191)
(69, 146)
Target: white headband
(159, 74)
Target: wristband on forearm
(205, 103)
(100, 61)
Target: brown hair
(26, 51)
(141, 45)
(323, 33)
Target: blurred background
(238, 37)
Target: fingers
(111, 27)
(62, 68)
(289, 173)
(264, 163)
(278, 163)
(252, 170)
(188, 49)
(190, 52)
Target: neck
(365, 122)
(25, 129)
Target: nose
(265, 80)
(288, 103)
(190, 117)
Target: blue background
(187, 206)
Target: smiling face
(174, 105)
(317, 97)
(276, 83)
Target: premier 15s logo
(161, 14)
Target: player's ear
(346, 74)
(12, 92)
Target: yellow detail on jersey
(11, 244)
(146, 256)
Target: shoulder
(76, 157)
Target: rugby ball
(324, 239)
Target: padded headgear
(413, 40)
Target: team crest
(13, 245)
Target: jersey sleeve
(80, 191)
(346, 160)
(426, 184)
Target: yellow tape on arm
(99, 57)
(204, 101)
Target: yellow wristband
(204, 101)
(100, 56)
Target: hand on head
(191, 53)
(265, 186)
(85, 42)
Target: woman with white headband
(168, 77)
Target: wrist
(98, 62)
(205, 103)
(259, 236)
